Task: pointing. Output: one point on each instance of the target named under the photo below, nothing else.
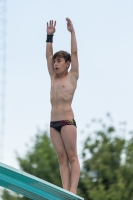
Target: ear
(68, 64)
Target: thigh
(69, 137)
(57, 142)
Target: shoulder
(53, 76)
(74, 75)
(72, 78)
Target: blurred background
(104, 34)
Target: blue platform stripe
(31, 186)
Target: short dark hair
(62, 54)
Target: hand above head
(69, 25)
(51, 27)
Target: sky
(104, 33)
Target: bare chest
(63, 85)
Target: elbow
(74, 52)
(48, 56)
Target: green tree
(107, 166)
(41, 161)
(7, 196)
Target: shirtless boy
(63, 130)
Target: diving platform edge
(31, 186)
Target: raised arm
(74, 53)
(49, 48)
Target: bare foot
(73, 191)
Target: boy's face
(60, 65)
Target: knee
(62, 158)
(72, 158)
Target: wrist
(72, 31)
(50, 38)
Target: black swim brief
(57, 125)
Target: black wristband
(49, 38)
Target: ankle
(73, 191)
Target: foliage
(107, 167)
(7, 196)
(41, 161)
